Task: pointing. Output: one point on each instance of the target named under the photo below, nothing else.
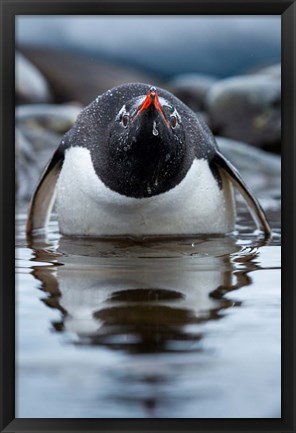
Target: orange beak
(152, 98)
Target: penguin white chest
(85, 206)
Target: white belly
(85, 206)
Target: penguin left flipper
(254, 206)
(44, 195)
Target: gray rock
(34, 147)
(41, 142)
(24, 160)
(191, 89)
(30, 85)
(40, 128)
(274, 70)
(260, 169)
(81, 78)
(247, 108)
(56, 118)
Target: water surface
(184, 327)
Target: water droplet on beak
(154, 130)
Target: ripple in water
(149, 327)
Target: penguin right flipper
(254, 206)
(44, 195)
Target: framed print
(141, 158)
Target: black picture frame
(11, 8)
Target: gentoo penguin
(139, 162)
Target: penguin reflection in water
(139, 162)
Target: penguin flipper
(254, 206)
(44, 195)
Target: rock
(56, 118)
(42, 142)
(77, 77)
(25, 162)
(34, 147)
(191, 89)
(247, 108)
(261, 170)
(30, 85)
(274, 71)
(40, 128)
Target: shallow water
(184, 327)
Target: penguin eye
(173, 121)
(125, 120)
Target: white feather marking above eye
(121, 112)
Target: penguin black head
(147, 122)
(142, 139)
(147, 144)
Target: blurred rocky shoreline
(53, 85)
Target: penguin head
(142, 139)
(148, 126)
